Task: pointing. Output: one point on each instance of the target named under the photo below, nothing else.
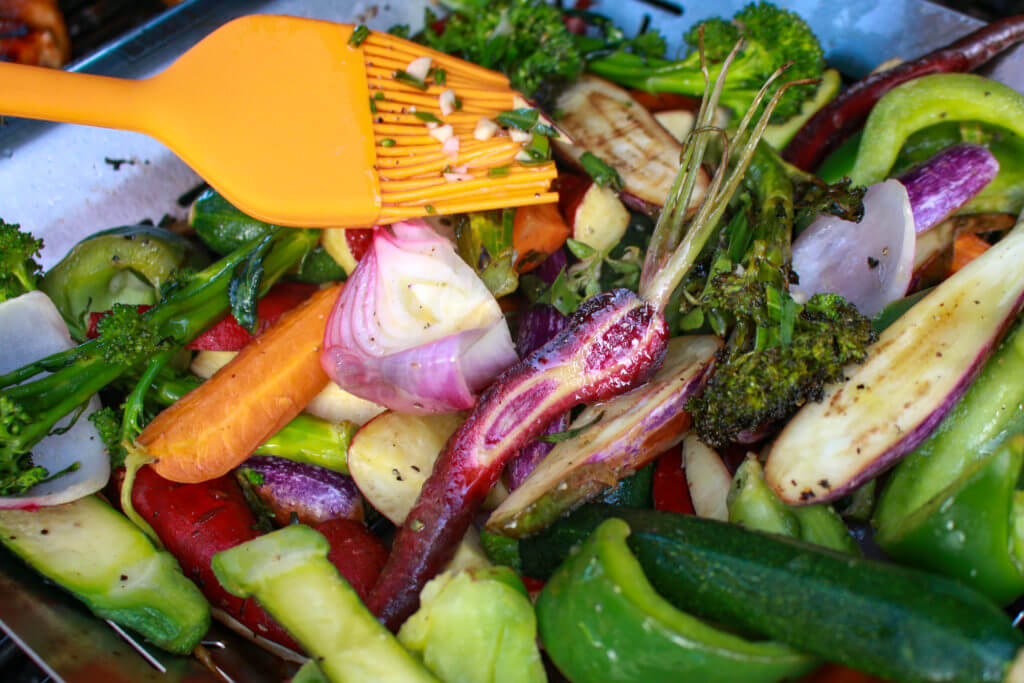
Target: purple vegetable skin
(313, 493)
(614, 342)
(947, 181)
(537, 326)
(913, 376)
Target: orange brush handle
(38, 93)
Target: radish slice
(32, 328)
(868, 263)
(707, 477)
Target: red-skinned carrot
(537, 232)
(665, 101)
(840, 118)
(215, 427)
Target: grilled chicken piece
(33, 32)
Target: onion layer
(415, 329)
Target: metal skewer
(153, 661)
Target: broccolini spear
(773, 37)
(779, 354)
(19, 270)
(29, 408)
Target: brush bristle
(415, 160)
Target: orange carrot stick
(213, 428)
(537, 232)
(966, 248)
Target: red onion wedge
(623, 435)
(869, 263)
(312, 493)
(614, 342)
(32, 328)
(912, 378)
(947, 181)
(415, 329)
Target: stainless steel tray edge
(55, 180)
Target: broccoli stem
(305, 439)
(181, 316)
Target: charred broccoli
(19, 271)
(772, 37)
(779, 353)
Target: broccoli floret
(31, 406)
(524, 39)
(108, 423)
(772, 37)
(19, 271)
(17, 473)
(778, 354)
(127, 336)
(753, 389)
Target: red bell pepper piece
(359, 240)
(197, 521)
(227, 335)
(670, 489)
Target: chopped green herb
(571, 433)
(603, 174)
(379, 95)
(373, 106)
(359, 34)
(527, 119)
(387, 142)
(426, 116)
(430, 209)
(403, 77)
(499, 171)
(252, 476)
(440, 76)
(458, 103)
(538, 149)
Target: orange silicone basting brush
(312, 123)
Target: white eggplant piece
(913, 376)
(32, 328)
(617, 438)
(605, 120)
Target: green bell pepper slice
(990, 411)
(967, 531)
(601, 620)
(753, 504)
(125, 265)
(949, 480)
(924, 102)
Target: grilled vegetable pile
(745, 405)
